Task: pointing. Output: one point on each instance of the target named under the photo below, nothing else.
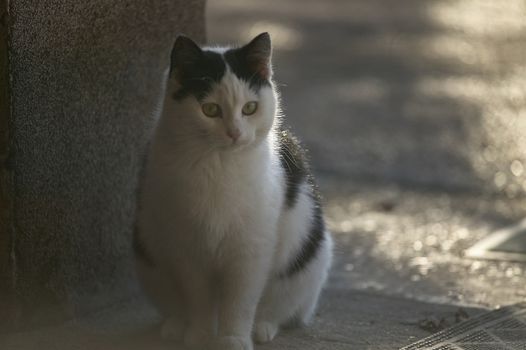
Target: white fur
(213, 218)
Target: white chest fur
(238, 195)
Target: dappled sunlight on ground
(412, 244)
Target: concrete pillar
(79, 81)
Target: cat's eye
(211, 110)
(250, 108)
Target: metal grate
(501, 329)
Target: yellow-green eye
(211, 110)
(250, 108)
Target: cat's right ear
(185, 54)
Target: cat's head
(223, 97)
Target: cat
(230, 239)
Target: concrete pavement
(345, 320)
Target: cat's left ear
(185, 55)
(258, 54)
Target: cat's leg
(196, 289)
(292, 298)
(241, 287)
(319, 273)
(160, 287)
(274, 308)
(283, 298)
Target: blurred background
(415, 116)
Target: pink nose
(234, 134)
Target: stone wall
(77, 93)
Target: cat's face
(223, 97)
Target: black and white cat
(230, 242)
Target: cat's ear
(185, 54)
(258, 54)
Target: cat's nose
(234, 134)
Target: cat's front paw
(231, 343)
(196, 338)
(265, 332)
(172, 329)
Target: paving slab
(345, 320)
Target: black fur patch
(238, 65)
(197, 78)
(196, 70)
(251, 62)
(312, 243)
(294, 162)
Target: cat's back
(295, 164)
